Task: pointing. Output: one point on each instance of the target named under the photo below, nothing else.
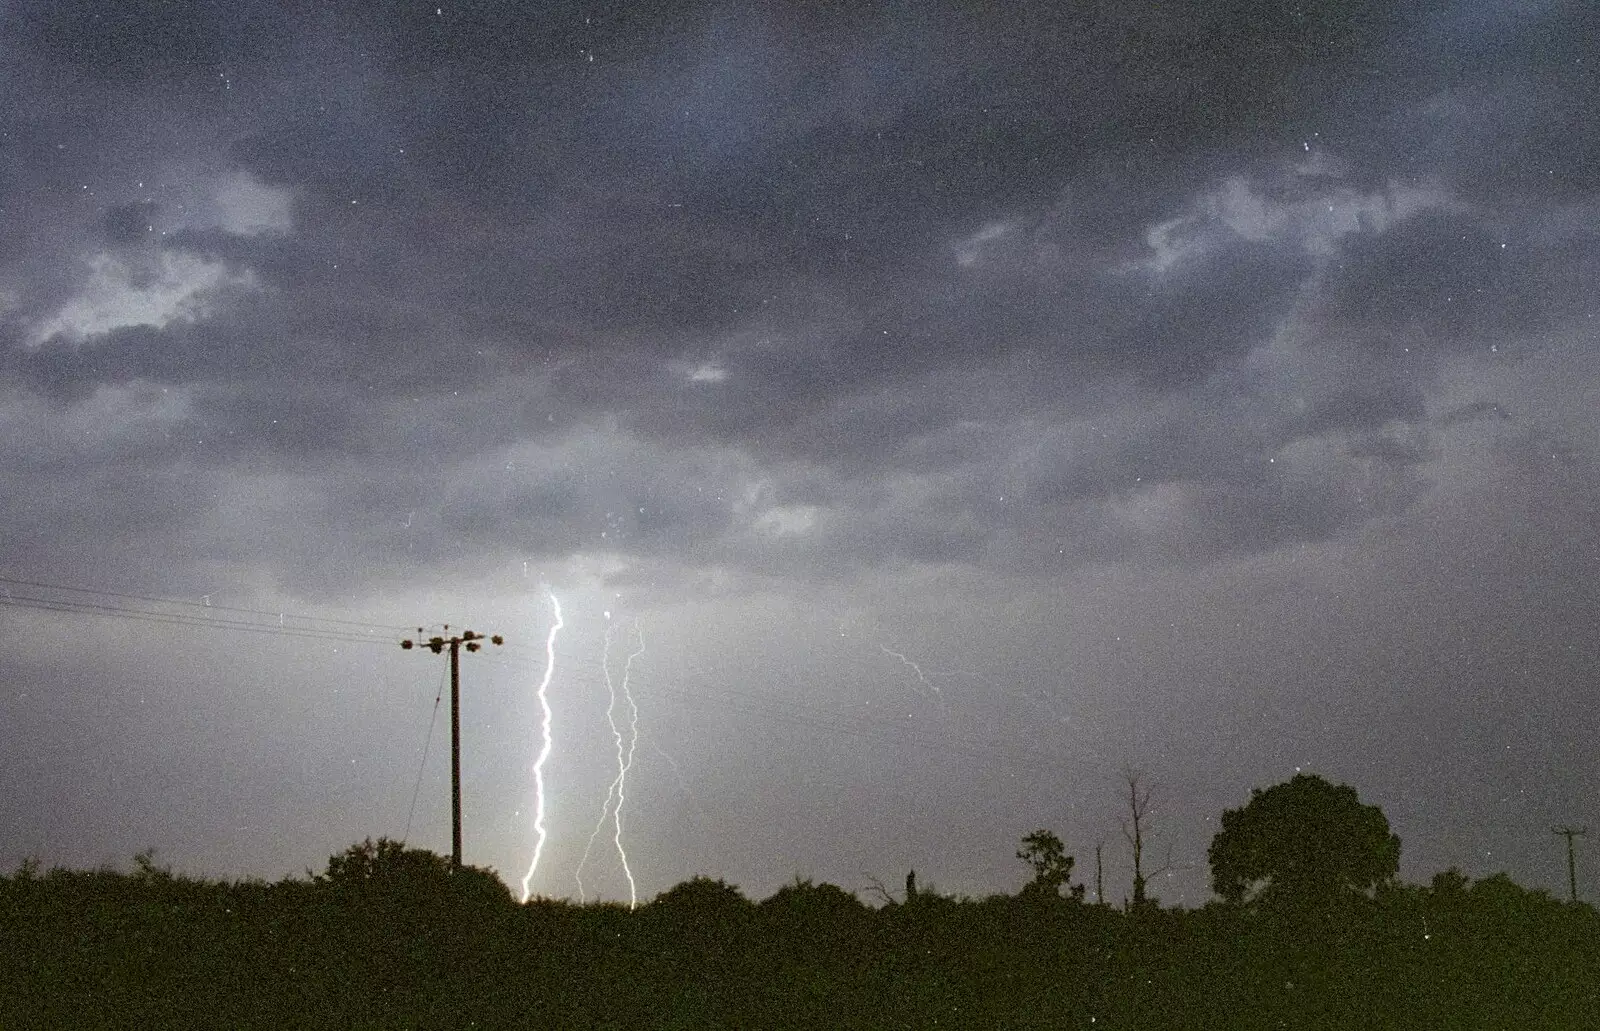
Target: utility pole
(1099, 879)
(473, 640)
(1572, 860)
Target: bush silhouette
(705, 898)
(387, 868)
(804, 900)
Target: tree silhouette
(1302, 843)
(1052, 867)
(710, 905)
(1134, 830)
(387, 867)
(804, 915)
(1451, 883)
(379, 861)
(803, 899)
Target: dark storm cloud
(1510, 84)
(107, 519)
(1472, 411)
(130, 223)
(804, 144)
(1455, 279)
(930, 245)
(145, 42)
(1363, 406)
(845, 387)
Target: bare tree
(876, 887)
(1134, 829)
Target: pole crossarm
(1572, 858)
(437, 644)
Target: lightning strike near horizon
(544, 751)
(625, 752)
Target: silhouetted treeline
(388, 937)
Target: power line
(427, 742)
(45, 596)
(771, 710)
(82, 608)
(13, 582)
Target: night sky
(963, 404)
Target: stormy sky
(955, 406)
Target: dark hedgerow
(390, 937)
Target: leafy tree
(1052, 867)
(703, 894)
(804, 916)
(806, 900)
(1304, 842)
(384, 860)
(704, 925)
(389, 867)
(710, 904)
(1451, 883)
(1498, 893)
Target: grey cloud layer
(782, 290)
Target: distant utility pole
(473, 640)
(1099, 879)
(1572, 860)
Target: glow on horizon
(544, 751)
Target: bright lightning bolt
(625, 750)
(544, 751)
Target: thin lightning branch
(923, 680)
(683, 782)
(625, 750)
(616, 733)
(544, 751)
(624, 766)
